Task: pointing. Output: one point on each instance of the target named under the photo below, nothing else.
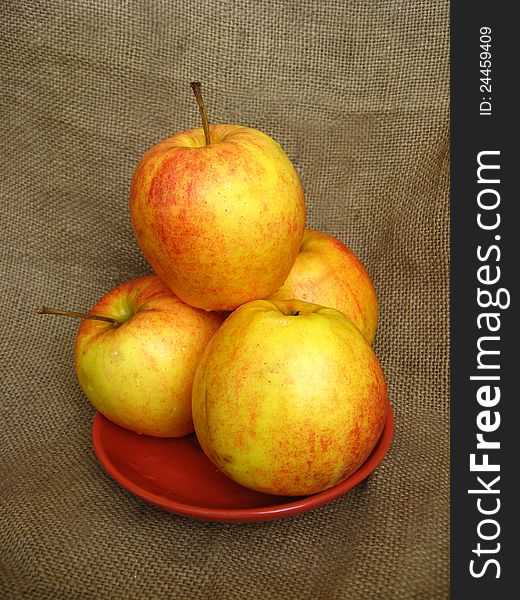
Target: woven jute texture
(357, 93)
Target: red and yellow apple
(288, 398)
(138, 371)
(328, 273)
(220, 223)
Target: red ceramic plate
(175, 474)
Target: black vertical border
(471, 134)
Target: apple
(326, 272)
(219, 214)
(137, 365)
(288, 398)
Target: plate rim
(256, 514)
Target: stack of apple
(254, 332)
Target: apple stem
(196, 87)
(44, 310)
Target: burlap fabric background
(357, 94)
